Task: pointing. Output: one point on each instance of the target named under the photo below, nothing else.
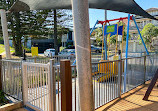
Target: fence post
(144, 69)
(66, 85)
(0, 72)
(119, 74)
(24, 84)
(52, 87)
(35, 59)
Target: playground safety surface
(133, 100)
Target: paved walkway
(132, 101)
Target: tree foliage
(32, 23)
(22, 24)
(98, 33)
(148, 32)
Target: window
(52, 50)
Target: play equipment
(107, 69)
(102, 69)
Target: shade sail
(127, 6)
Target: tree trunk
(17, 38)
(55, 33)
(18, 46)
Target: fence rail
(108, 80)
(36, 85)
(45, 60)
(12, 78)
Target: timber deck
(133, 100)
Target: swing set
(107, 69)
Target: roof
(151, 9)
(127, 6)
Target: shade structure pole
(91, 31)
(105, 44)
(83, 53)
(126, 55)
(140, 35)
(105, 38)
(5, 33)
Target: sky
(97, 14)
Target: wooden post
(0, 72)
(151, 86)
(52, 87)
(66, 85)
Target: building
(141, 22)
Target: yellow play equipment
(108, 69)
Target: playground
(110, 69)
(57, 85)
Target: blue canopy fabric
(127, 6)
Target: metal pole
(140, 36)
(24, 55)
(1, 74)
(83, 53)
(105, 38)
(119, 74)
(93, 27)
(105, 44)
(5, 33)
(126, 52)
(105, 15)
(144, 69)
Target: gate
(37, 86)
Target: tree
(98, 33)
(30, 23)
(113, 38)
(62, 21)
(26, 23)
(148, 32)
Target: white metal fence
(40, 82)
(12, 78)
(36, 85)
(45, 60)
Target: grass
(3, 99)
(2, 49)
